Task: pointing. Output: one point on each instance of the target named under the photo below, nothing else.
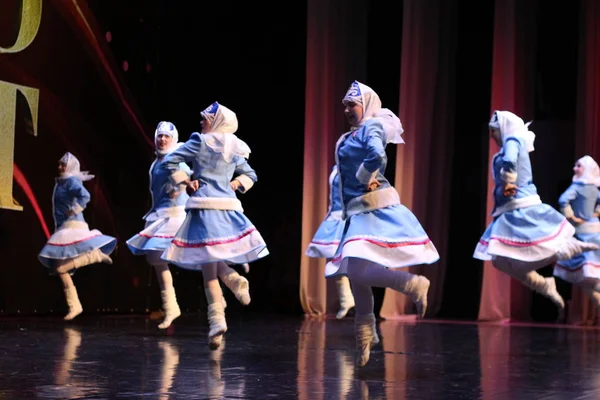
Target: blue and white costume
(73, 244)
(327, 239)
(380, 234)
(581, 200)
(168, 203)
(525, 234)
(215, 230)
(163, 220)
(523, 228)
(378, 227)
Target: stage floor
(283, 357)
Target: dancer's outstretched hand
(235, 184)
(192, 186)
(373, 184)
(509, 189)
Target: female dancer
(525, 234)
(381, 235)
(73, 245)
(579, 204)
(163, 220)
(215, 231)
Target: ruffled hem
(157, 236)
(524, 250)
(577, 274)
(51, 253)
(390, 254)
(322, 249)
(247, 247)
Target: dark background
(175, 58)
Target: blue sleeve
(512, 147)
(375, 147)
(245, 174)
(332, 176)
(565, 200)
(567, 197)
(334, 188)
(186, 153)
(374, 142)
(80, 195)
(169, 187)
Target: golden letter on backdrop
(8, 112)
(31, 16)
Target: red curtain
(423, 163)
(335, 56)
(512, 89)
(581, 309)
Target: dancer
(215, 231)
(579, 204)
(525, 234)
(163, 220)
(380, 234)
(73, 245)
(327, 239)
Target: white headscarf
(73, 168)
(511, 125)
(221, 138)
(371, 103)
(391, 126)
(167, 128)
(591, 171)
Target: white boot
(573, 247)
(82, 260)
(416, 288)
(105, 258)
(345, 296)
(363, 330)
(544, 286)
(75, 307)
(65, 266)
(375, 335)
(217, 325)
(239, 286)
(170, 306)
(92, 257)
